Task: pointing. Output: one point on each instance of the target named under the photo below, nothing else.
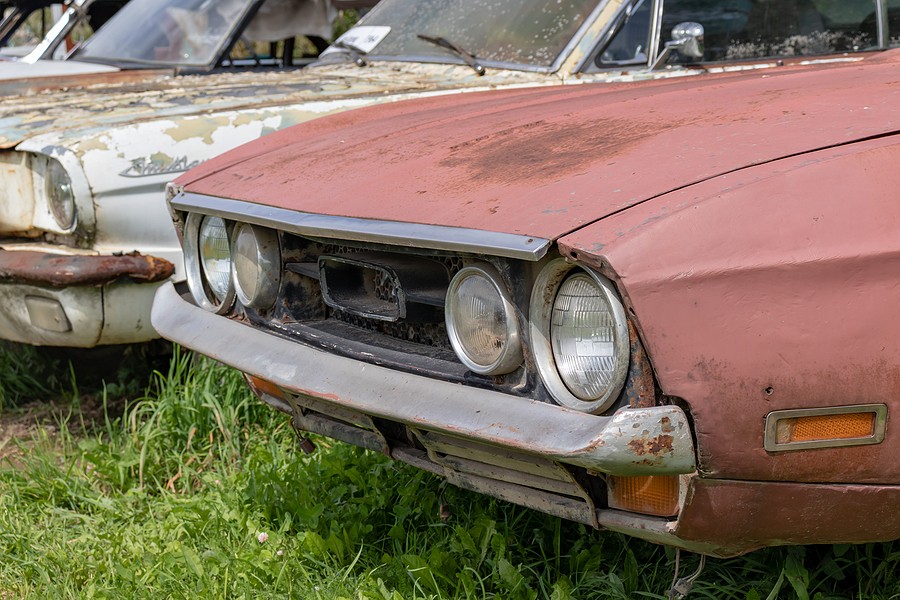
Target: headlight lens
(215, 256)
(207, 262)
(583, 337)
(579, 336)
(60, 197)
(257, 265)
(482, 322)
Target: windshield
(166, 33)
(517, 32)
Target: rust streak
(64, 271)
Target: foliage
(195, 488)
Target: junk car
(659, 308)
(76, 22)
(86, 165)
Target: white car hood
(49, 68)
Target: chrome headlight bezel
(543, 301)
(511, 355)
(59, 194)
(260, 246)
(197, 282)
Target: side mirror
(687, 40)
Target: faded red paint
(739, 516)
(554, 160)
(774, 288)
(61, 271)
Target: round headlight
(580, 337)
(60, 197)
(207, 262)
(257, 265)
(215, 256)
(482, 322)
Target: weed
(194, 488)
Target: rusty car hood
(70, 106)
(544, 162)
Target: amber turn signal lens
(826, 427)
(648, 494)
(261, 386)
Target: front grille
(380, 305)
(425, 334)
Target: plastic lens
(582, 334)
(215, 256)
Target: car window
(27, 27)
(515, 32)
(752, 29)
(174, 32)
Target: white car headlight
(257, 265)
(59, 194)
(580, 337)
(481, 321)
(208, 263)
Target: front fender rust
(60, 271)
(653, 446)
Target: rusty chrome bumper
(630, 442)
(77, 301)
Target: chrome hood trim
(394, 233)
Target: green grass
(195, 489)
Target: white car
(85, 237)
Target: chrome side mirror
(687, 40)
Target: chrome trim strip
(773, 418)
(393, 233)
(579, 38)
(644, 441)
(883, 33)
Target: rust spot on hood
(541, 149)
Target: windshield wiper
(356, 53)
(467, 57)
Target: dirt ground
(38, 421)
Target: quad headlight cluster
(577, 328)
(225, 260)
(579, 336)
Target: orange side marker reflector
(826, 427)
(647, 494)
(808, 428)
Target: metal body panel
(739, 516)
(554, 160)
(726, 518)
(108, 314)
(632, 441)
(368, 230)
(783, 299)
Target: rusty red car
(662, 308)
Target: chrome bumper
(645, 441)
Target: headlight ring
(579, 336)
(208, 262)
(482, 321)
(256, 265)
(60, 196)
